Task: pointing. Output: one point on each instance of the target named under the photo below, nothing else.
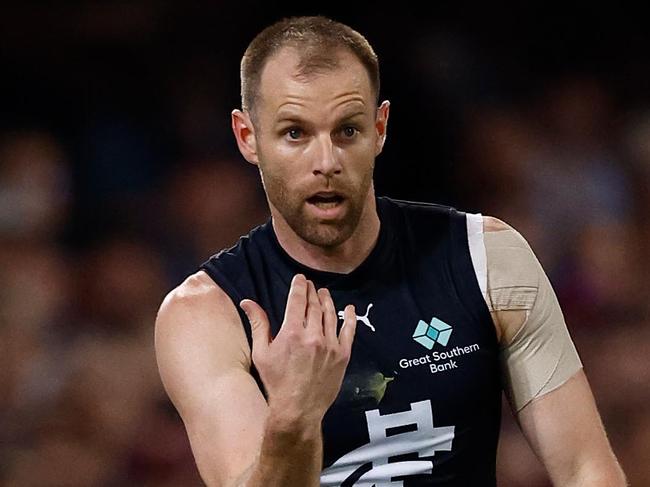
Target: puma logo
(364, 319)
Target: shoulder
(197, 287)
(198, 319)
(513, 276)
(492, 224)
(503, 236)
(232, 264)
(197, 290)
(204, 364)
(421, 223)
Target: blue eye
(294, 134)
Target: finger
(346, 335)
(330, 320)
(314, 311)
(295, 310)
(260, 327)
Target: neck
(343, 258)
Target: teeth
(325, 205)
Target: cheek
(277, 179)
(357, 159)
(280, 159)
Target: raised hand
(302, 367)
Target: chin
(326, 236)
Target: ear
(381, 125)
(242, 127)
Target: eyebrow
(297, 119)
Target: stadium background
(119, 175)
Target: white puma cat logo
(364, 319)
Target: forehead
(282, 83)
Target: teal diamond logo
(437, 331)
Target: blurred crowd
(573, 176)
(81, 400)
(95, 228)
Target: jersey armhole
(214, 273)
(477, 250)
(470, 266)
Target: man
(355, 340)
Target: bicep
(537, 353)
(542, 371)
(225, 426)
(564, 430)
(203, 362)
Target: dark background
(119, 175)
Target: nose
(326, 160)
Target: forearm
(290, 454)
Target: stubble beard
(292, 206)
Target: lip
(327, 194)
(332, 213)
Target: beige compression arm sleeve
(541, 356)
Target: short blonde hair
(317, 39)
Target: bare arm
(561, 423)
(565, 431)
(238, 439)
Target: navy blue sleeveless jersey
(421, 397)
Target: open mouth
(325, 200)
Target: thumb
(260, 328)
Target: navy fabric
(417, 410)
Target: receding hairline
(306, 74)
(319, 42)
